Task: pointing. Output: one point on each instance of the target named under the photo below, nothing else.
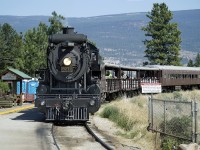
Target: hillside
(120, 37)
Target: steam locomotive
(69, 87)
(74, 83)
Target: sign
(151, 87)
(9, 76)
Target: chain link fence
(174, 118)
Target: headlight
(92, 102)
(67, 61)
(42, 103)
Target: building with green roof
(12, 76)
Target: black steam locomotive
(69, 87)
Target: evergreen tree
(190, 63)
(35, 45)
(197, 61)
(28, 52)
(10, 47)
(163, 43)
(56, 23)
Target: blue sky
(88, 8)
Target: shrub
(4, 88)
(110, 112)
(113, 113)
(179, 126)
(169, 143)
(177, 95)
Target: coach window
(185, 76)
(171, 76)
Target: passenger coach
(171, 77)
(129, 80)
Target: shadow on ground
(30, 115)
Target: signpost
(151, 87)
(9, 76)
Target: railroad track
(78, 137)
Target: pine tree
(190, 63)
(56, 23)
(197, 61)
(35, 45)
(36, 42)
(10, 47)
(163, 43)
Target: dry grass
(136, 110)
(184, 95)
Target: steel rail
(106, 146)
(53, 135)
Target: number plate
(67, 69)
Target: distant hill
(120, 37)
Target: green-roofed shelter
(12, 76)
(16, 75)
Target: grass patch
(129, 135)
(110, 112)
(131, 114)
(114, 114)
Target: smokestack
(68, 30)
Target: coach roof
(164, 67)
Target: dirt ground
(110, 130)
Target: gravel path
(75, 138)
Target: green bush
(178, 126)
(4, 88)
(177, 95)
(169, 143)
(113, 114)
(110, 112)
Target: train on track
(76, 81)
(69, 88)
